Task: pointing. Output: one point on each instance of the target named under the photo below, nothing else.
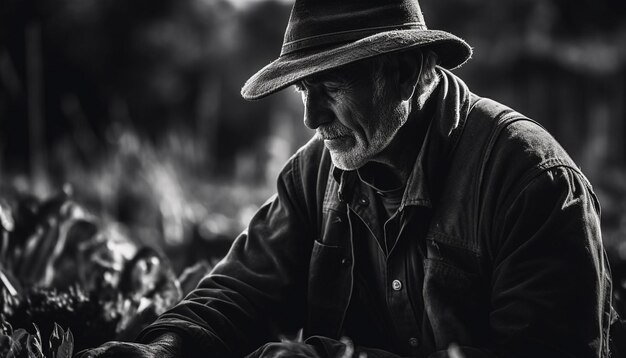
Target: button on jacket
(510, 263)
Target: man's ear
(410, 64)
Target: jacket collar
(452, 105)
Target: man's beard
(389, 121)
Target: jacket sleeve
(550, 286)
(257, 288)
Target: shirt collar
(416, 190)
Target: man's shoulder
(515, 137)
(530, 140)
(516, 149)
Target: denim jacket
(512, 260)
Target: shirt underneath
(379, 315)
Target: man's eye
(332, 88)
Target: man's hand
(166, 346)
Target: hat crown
(324, 22)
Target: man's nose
(316, 112)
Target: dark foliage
(90, 317)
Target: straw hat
(325, 34)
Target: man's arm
(167, 345)
(258, 286)
(255, 291)
(550, 282)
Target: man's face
(354, 113)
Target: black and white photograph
(312, 179)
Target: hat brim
(451, 50)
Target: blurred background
(132, 108)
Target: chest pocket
(328, 272)
(455, 298)
(330, 276)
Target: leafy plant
(61, 343)
(59, 265)
(23, 344)
(89, 315)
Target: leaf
(20, 335)
(61, 343)
(33, 344)
(56, 339)
(6, 329)
(33, 347)
(9, 347)
(37, 334)
(25, 344)
(67, 347)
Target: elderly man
(422, 220)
